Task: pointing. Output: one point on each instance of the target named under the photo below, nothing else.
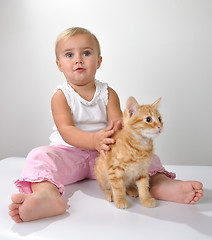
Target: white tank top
(87, 116)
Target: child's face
(78, 59)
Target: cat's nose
(160, 128)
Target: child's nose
(78, 59)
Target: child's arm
(64, 121)
(114, 114)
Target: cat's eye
(148, 119)
(159, 119)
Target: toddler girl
(86, 114)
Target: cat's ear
(156, 103)
(131, 106)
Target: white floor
(90, 216)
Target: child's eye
(69, 55)
(86, 53)
(148, 119)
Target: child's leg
(163, 186)
(47, 170)
(167, 189)
(44, 201)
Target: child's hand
(102, 139)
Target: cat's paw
(150, 202)
(122, 203)
(108, 195)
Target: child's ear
(156, 103)
(132, 106)
(99, 62)
(59, 65)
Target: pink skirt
(63, 165)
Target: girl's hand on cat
(102, 139)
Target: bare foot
(164, 188)
(28, 207)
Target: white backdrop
(150, 49)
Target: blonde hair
(73, 31)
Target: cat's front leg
(119, 192)
(143, 190)
(108, 195)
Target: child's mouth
(80, 69)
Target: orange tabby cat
(125, 169)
